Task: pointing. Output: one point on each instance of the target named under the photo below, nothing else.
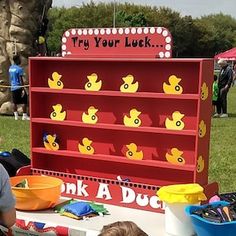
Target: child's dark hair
(215, 77)
(122, 228)
(16, 59)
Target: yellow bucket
(182, 193)
(176, 198)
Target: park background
(203, 36)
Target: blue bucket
(206, 228)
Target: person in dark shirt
(224, 83)
(234, 74)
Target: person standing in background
(215, 93)
(234, 74)
(224, 83)
(19, 95)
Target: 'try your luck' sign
(147, 42)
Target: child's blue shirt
(15, 73)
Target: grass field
(223, 148)
(15, 134)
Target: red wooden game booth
(124, 116)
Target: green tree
(130, 20)
(201, 37)
(216, 33)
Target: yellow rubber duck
(173, 87)
(55, 82)
(202, 129)
(92, 84)
(57, 113)
(85, 147)
(176, 123)
(175, 157)
(129, 86)
(204, 92)
(50, 142)
(133, 120)
(90, 117)
(132, 152)
(200, 164)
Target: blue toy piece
(122, 179)
(79, 208)
(5, 154)
(204, 227)
(13, 161)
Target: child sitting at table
(122, 228)
(7, 201)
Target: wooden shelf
(154, 130)
(112, 158)
(110, 135)
(115, 93)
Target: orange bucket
(43, 192)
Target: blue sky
(195, 8)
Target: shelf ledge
(155, 130)
(112, 158)
(150, 95)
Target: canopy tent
(229, 55)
